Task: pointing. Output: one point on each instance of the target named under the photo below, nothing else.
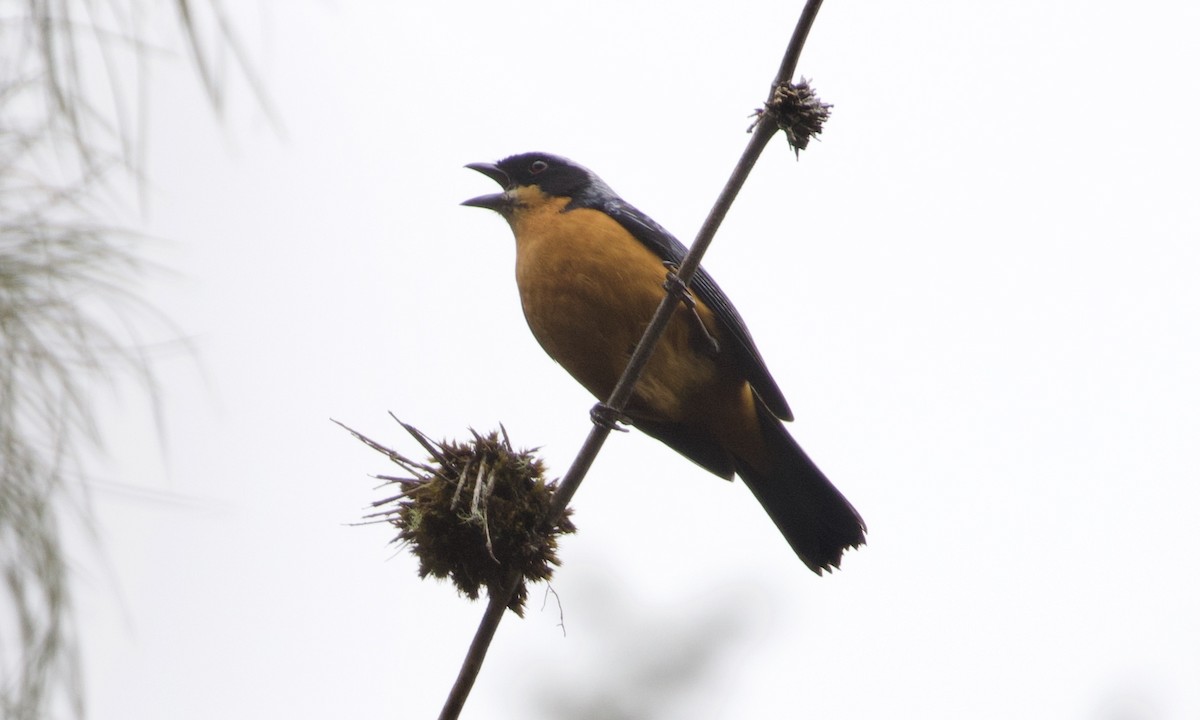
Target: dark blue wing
(666, 246)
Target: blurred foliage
(72, 112)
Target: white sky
(978, 291)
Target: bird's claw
(673, 284)
(606, 416)
(676, 286)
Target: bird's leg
(674, 284)
(606, 416)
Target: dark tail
(818, 522)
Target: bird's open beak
(496, 201)
(493, 172)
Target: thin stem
(473, 662)
(791, 56)
(498, 603)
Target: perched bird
(590, 271)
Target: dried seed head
(475, 513)
(798, 112)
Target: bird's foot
(674, 285)
(606, 416)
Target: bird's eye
(537, 166)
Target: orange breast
(588, 289)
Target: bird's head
(534, 177)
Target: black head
(555, 176)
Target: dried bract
(475, 513)
(798, 112)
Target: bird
(591, 272)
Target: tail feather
(817, 520)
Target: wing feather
(668, 247)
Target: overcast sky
(978, 290)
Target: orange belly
(588, 290)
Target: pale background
(978, 291)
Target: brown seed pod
(476, 512)
(798, 112)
